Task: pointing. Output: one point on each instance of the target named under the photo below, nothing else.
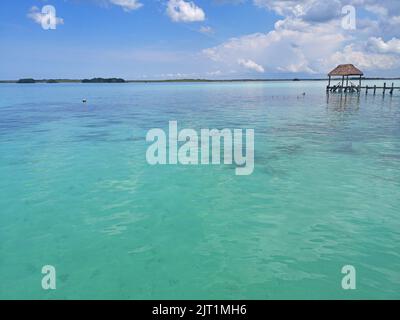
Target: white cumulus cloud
(183, 11)
(379, 45)
(363, 59)
(251, 65)
(127, 5)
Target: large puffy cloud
(293, 46)
(184, 11)
(310, 38)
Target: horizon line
(192, 79)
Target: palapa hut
(345, 71)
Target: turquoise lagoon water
(77, 193)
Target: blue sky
(159, 39)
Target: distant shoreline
(119, 80)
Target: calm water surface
(76, 192)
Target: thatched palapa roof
(346, 70)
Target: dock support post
(384, 88)
(366, 91)
(391, 91)
(329, 84)
(374, 89)
(342, 83)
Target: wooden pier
(358, 89)
(347, 86)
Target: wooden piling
(384, 88)
(374, 89)
(366, 91)
(391, 91)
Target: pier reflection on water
(343, 102)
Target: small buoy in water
(84, 100)
(304, 94)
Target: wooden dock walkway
(348, 88)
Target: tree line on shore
(94, 80)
